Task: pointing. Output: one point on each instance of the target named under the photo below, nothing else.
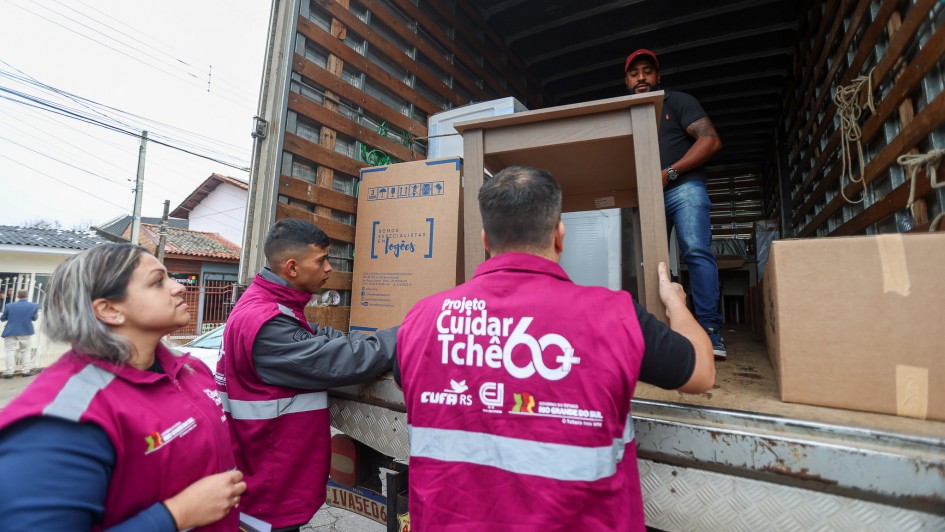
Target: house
(218, 205)
(28, 257)
(205, 263)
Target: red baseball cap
(645, 53)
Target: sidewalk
(10, 388)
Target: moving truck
(828, 412)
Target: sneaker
(7, 375)
(718, 345)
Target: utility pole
(163, 232)
(139, 190)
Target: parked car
(205, 347)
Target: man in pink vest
(518, 382)
(274, 369)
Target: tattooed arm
(706, 145)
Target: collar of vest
(269, 282)
(523, 262)
(170, 363)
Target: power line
(45, 105)
(146, 63)
(148, 124)
(151, 45)
(124, 208)
(63, 162)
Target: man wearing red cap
(687, 140)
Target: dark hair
(520, 206)
(103, 271)
(292, 236)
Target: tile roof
(209, 185)
(48, 238)
(190, 243)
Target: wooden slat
(437, 33)
(339, 281)
(930, 118)
(815, 69)
(805, 83)
(868, 41)
(340, 123)
(893, 54)
(855, 21)
(517, 63)
(381, 11)
(469, 33)
(321, 155)
(333, 229)
(378, 74)
(912, 75)
(395, 54)
(316, 194)
(339, 86)
(886, 206)
(337, 318)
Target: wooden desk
(605, 154)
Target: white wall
(223, 211)
(32, 259)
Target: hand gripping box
(858, 322)
(409, 239)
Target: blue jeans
(687, 208)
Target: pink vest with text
(283, 453)
(518, 386)
(167, 429)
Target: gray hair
(100, 272)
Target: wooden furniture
(603, 153)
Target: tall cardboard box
(859, 322)
(409, 239)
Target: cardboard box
(858, 322)
(409, 240)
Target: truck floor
(746, 381)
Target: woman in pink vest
(120, 432)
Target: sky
(188, 71)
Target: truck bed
(746, 382)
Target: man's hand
(665, 177)
(672, 294)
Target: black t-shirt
(668, 357)
(680, 110)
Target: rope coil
(848, 108)
(915, 161)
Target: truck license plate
(358, 500)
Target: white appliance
(446, 142)
(592, 248)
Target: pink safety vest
(518, 386)
(281, 436)
(167, 429)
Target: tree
(42, 223)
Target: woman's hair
(100, 272)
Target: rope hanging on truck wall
(913, 163)
(847, 100)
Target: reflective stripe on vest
(273, 408)
(550, 460)
(77, 394)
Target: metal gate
(210, 304)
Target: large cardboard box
(409, 239)
(858, 322)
